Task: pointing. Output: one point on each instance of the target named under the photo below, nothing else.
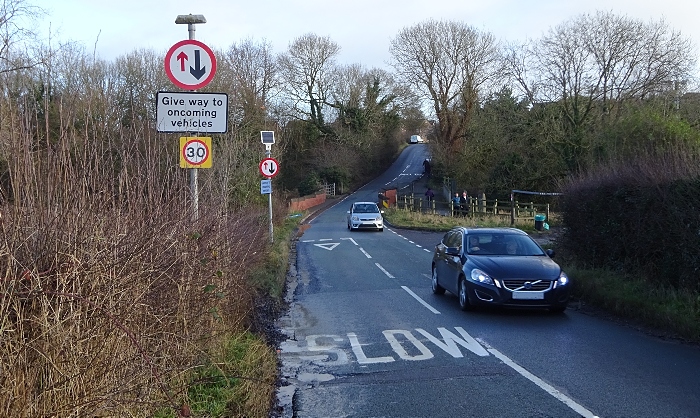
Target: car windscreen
(366, 209)
(502, 244)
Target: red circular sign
(190, 64)
(195, 152)
(269, 167)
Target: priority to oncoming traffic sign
(190, 64)
(269, 167)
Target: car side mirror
(550, 253)
(348, 211)
(381, 211)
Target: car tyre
(463, 296)
(437, 289)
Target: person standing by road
(456, 207)
(464, 203)
(429, 195)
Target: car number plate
(528, 295)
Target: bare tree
(448, 63)
(598, 62)
(306, 70)
(16, 18)
(250, 74)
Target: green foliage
(644, 129)
(640, 217)
(269, 278)
(310, 184)
(338, 175)
(509, 147)
(646, 302)
(220, 387)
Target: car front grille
(527, 285)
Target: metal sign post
(269, 168)
(190, 20)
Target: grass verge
(427, 221)
(239, 377)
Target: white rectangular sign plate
(202, 113)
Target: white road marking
(425, 354)
(422, 302)
(451, 340)
(328, 246)
(385, 272)
(351, 240)
(365, 252)
(326, 239)
(579, 409)
(360, 354)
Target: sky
(362, 28)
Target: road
(367, 338)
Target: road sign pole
(194, 186)
(269, 201)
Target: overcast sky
(362, 28)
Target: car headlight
(355, 218)
(481, 277)
(379, 218)
(563, 279)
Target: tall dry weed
(110, 292)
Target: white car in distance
(365, 215)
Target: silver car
(365, 215)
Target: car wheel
(381, 229)
(437, 289)
(557, 309)
(348, 226)
(463, 297)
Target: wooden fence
(475, 207)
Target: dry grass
(434, 222)
(112, 298)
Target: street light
(190, 20)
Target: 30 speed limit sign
(195, 152)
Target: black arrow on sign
(270, 168)
(197, 71)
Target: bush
(638, 217)
(310, 185)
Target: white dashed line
(365, 252)
(422, 302)
(384, 270)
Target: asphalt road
(367, 338)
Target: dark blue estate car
(498, 267)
